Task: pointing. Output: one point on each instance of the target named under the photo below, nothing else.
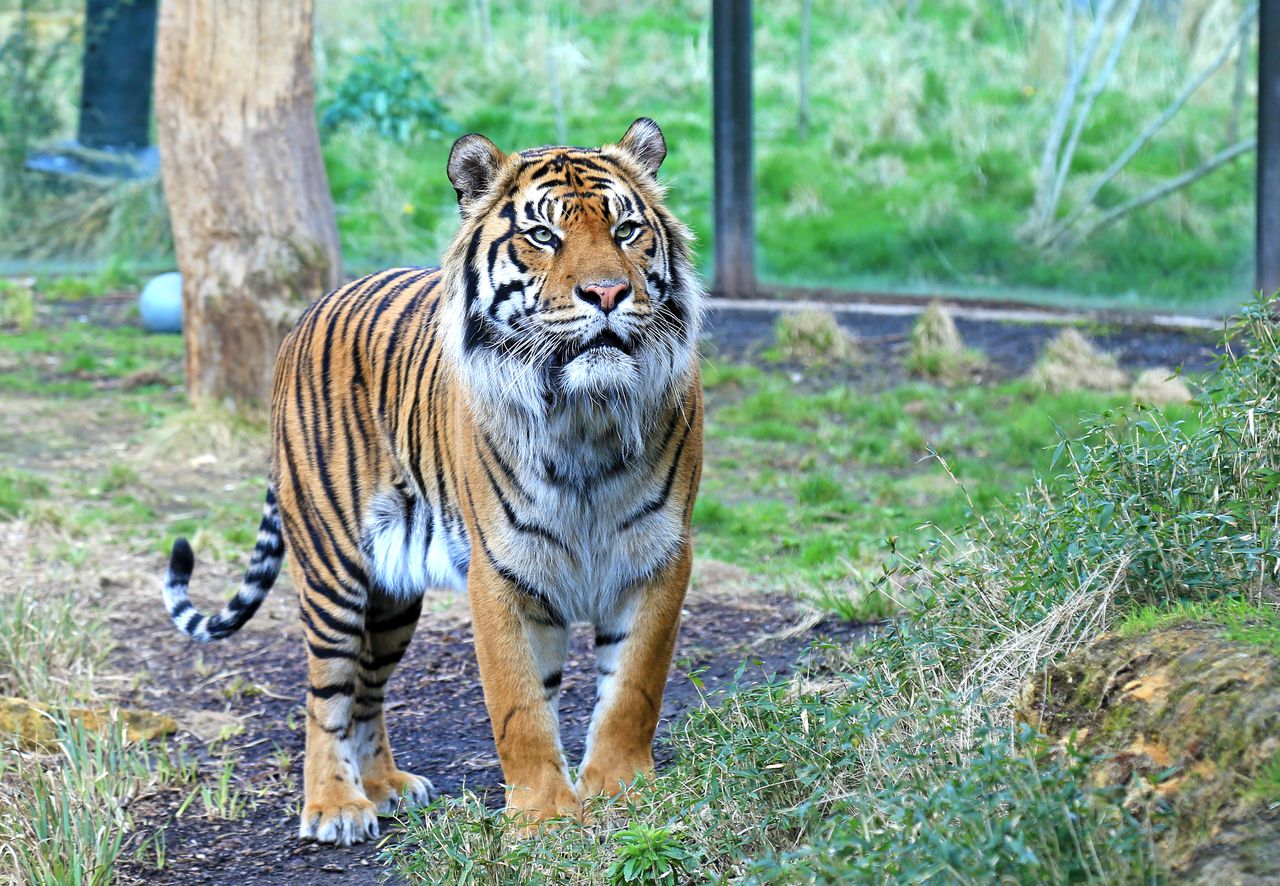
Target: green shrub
(649, 855)
(384, 91)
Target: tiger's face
(575, 284)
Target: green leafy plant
(649, 855)
(28, 107)
(385, 92)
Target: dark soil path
(1011, 348)
(437, 720)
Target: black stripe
(657, 503)
(320, 635)
(507, 472)
(553, 680)
(329, 652)
(554, 618)
(382, 661)
(605, 639)
(331, 691)
(397, 621)
(517, 522)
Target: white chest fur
(590, 521)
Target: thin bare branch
(806, 23)
(1043, 211)
(1086, 107)
(1187, 178)
(1241, 33)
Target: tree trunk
(253, 219)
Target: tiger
(524, 423)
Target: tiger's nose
(606, 296)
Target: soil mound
(1187, 721)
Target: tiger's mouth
(606, 339)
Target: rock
(1185, 720)
(35, 724)
(1160, 387)
(161, 303)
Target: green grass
(49, 646)
(1243, 621)
(916, 172)
(67, 359)
(898, 761)
(18, 490)
(1266, 782)
(805, 486)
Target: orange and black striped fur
(525, 421)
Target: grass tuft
(936, 350)
(49, 646)
(815, 339)
(1071, 362)
(1160, 387)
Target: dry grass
(1160, 387)
(1072, 363)
(937, 352)
(815, 338)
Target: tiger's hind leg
(389, 627)
(336, 808)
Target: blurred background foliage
(913, 163)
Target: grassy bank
(899, 762)
(916, 167)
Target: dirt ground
(437, 718)
(242, 698)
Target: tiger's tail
(268, 554)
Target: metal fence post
(1268, 209)
(735, 233)
(119, 53)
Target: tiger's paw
(616, 777)
(345, 823)
(389, 791)
(534, 810)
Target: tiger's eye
(542, 234)
(624, 230)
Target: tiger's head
(572, 283)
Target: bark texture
(253, 219)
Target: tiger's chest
(583, 525)
(601, 540)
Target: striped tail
(258, 579)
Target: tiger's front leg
(521, 647)
(633, 656)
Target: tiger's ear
(473, 162)
(644, 141)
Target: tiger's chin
(600, 372)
